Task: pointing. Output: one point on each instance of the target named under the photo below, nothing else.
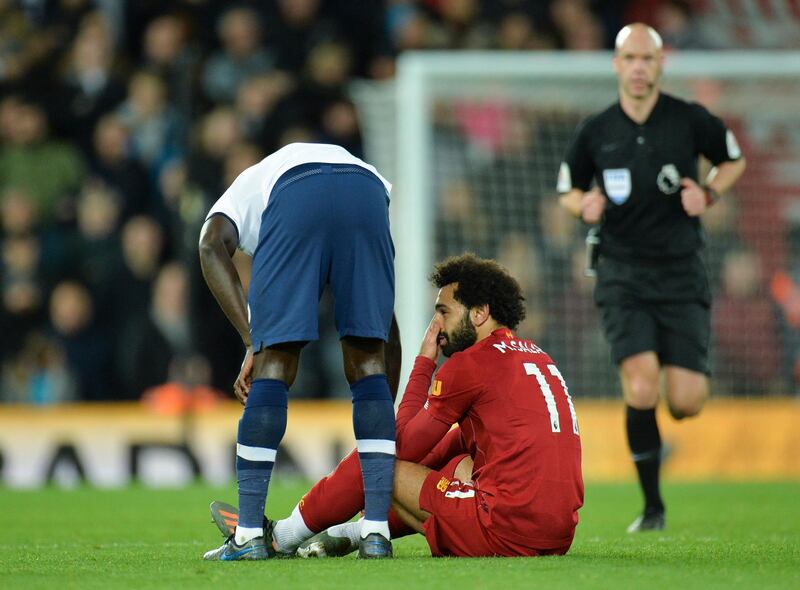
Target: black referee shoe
(649, 521)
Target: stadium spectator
(18, 213)
(577, 27)
(50, 171)
(258, 107)
(186, 390)
(24, 292)
(142, 254)
(218, 133)
(296, 27)
(168, 53)
(745, 328)
(339, 126)
(95, 249)
(89, 87)
(460, 221)
(678, 27)
(241, 157)
(113, 163)
(785, 291)
(519, 253)
(409, 28)
(87, 349)
(157, 131)
(242, 55)
(18, 46)
(20, 220)
(721, 225)
(158, 338)
(462, 24)
(518, 31)
(38, 374)
(570, 332)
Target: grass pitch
(719, 535)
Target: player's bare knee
(404, 487)
(463, 471)
(277, 362)
(686, 408)
(362, 357)
(641, 393)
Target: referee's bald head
(638, 30)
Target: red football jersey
(518, 421)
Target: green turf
(726, 536)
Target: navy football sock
(261, 429)
(645, 444)
(374, 428)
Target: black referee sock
(645, 444)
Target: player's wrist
(424, 360)
(712, 196)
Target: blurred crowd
(494, 160)
(121, 122)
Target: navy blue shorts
(325, 224)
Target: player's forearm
(422, 433)
(724, 176)
(452, 444)
(572, 202)
(223, 281)
(416, 392)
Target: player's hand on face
(693, 197)
(593, 204)
(432, 341)
(242, 385)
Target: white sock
(244, 534)
(290, 532)
(375, 526)
(351, 530)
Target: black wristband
(712, 196)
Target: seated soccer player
(506, 482)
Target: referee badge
(617, 182)
(669, 179)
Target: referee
(642, 152)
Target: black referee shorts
(662, 307)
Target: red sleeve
(420, 436)
(453, 392)
(450, 446)
(457, 386)
(416, 391)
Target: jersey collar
(504, 333)
(650, 118)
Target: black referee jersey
(639, 167)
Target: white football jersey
(246, 199)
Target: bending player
(507, 482)
(311, 215)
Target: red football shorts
(454, 527)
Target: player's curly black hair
(482, 281)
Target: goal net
(473, 143)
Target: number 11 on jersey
(550, 400)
